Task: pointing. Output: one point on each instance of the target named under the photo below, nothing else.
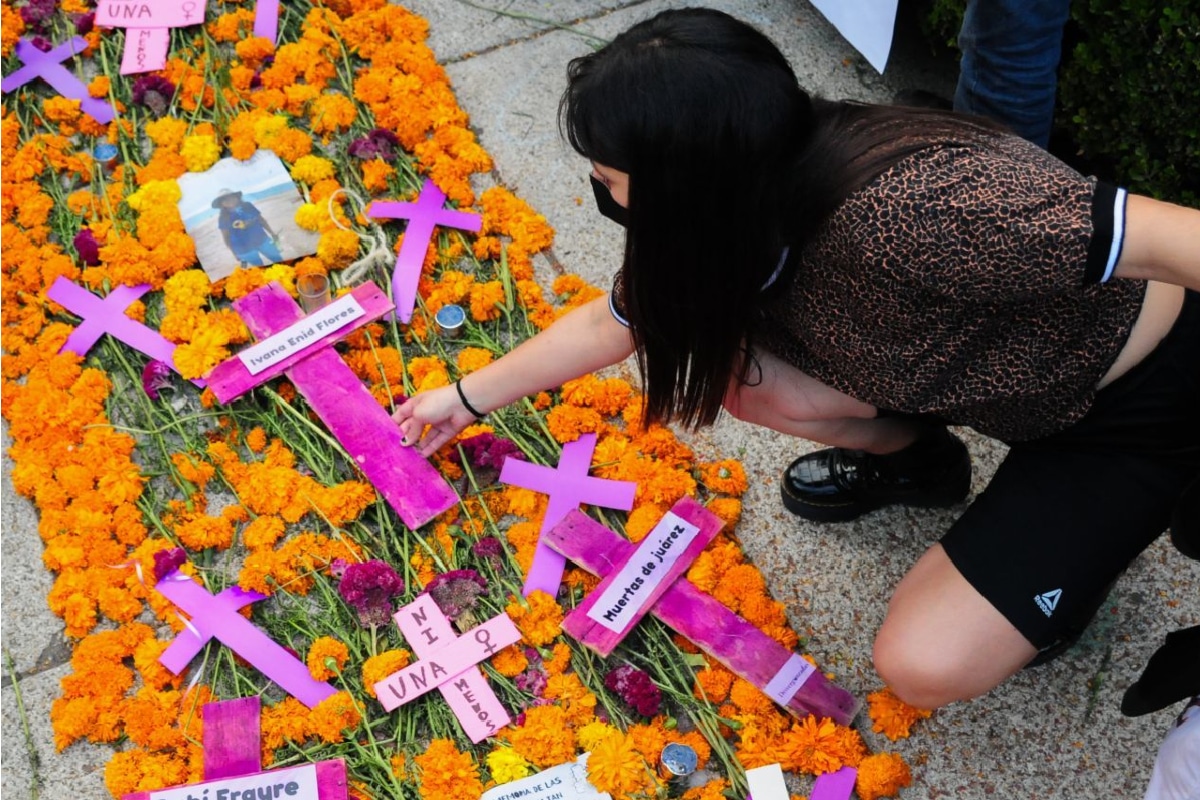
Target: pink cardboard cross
(449, 663)
(835, 785)
(147, 25)
(48, 66)
(266, 19)
(232, 740)
(568, 486)
(746, 651)
(300, 347)
(422, 216)
(212, 617)
(107, 315)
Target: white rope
(379, 256)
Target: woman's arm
(1162, 243)
(587, 339)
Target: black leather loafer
(837, 485)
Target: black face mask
(607, 206)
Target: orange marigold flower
(726, 476)
(446, 772)
(813, 746)
(473, 358)
(539, 618)
(891, 716)
(568, 423)
(642, 520)
(376, 668)
(334, 716)
(338, 248)
(713, 683)
(545, 739)
(617, 768)
(510, 662)
(326, 657)
(881, 775)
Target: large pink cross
(449, 663)
(147, 25)
(48, 66)
(266, 19)
(212, 617)
(745, 650)
(107, 315)
(422, 216)
(568, 485)
(408, 482)
(232, 741)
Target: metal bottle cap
(450, 319)
(678, 759)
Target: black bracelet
(466, 404)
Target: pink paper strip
(422, 216)
(145, 50)
(446, 663)
(581, 622)
(568, 485)
(48, 66)
(266, 19)
(331, 783)
(408, 482)
(149, 13)
(232, 739)
(741, 647)
(469, 696)
(231, 379)
(107, 315)
(835, 785)
(213, 619)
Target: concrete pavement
(1054, 732)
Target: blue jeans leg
(1009, 69)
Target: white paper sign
(301, 334)
(292, 783)
(867, 24)
(643, 572)
(791, 676)
(766, 783)
(564, 782)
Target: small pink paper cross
(232, 740)
(422, 216)
(835, 785)
(107, 315)
(147, 25)
(48, 67)
(449, 663)
(217, 618)
(568, 486)
(744, 649)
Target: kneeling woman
(864, 276)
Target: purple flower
(42, 43)
(84, 23)
(456, 591)
(37, 12)
(489, 549)
(485, 453)
(379, 143)
(156, 376)
(369, 587)
(87, 247)
(167, 561)
(532, 681)
(636, 689)
(154, 92)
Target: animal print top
(958, 283)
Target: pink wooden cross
(232, 739)
(568, 486)
(449, 663)
(107, 315)
(48, 66)
(407, 481)
(266, 19)
(422, 216)
(212, 617)
(147, 25)
(742, 648)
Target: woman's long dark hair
(729, 162)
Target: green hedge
(1129, 89)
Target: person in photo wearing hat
(246, 231)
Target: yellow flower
(196, 358)
(311, 169)
(200, 152)
(506, 765)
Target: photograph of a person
(242, 214)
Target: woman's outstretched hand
(440, 410)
